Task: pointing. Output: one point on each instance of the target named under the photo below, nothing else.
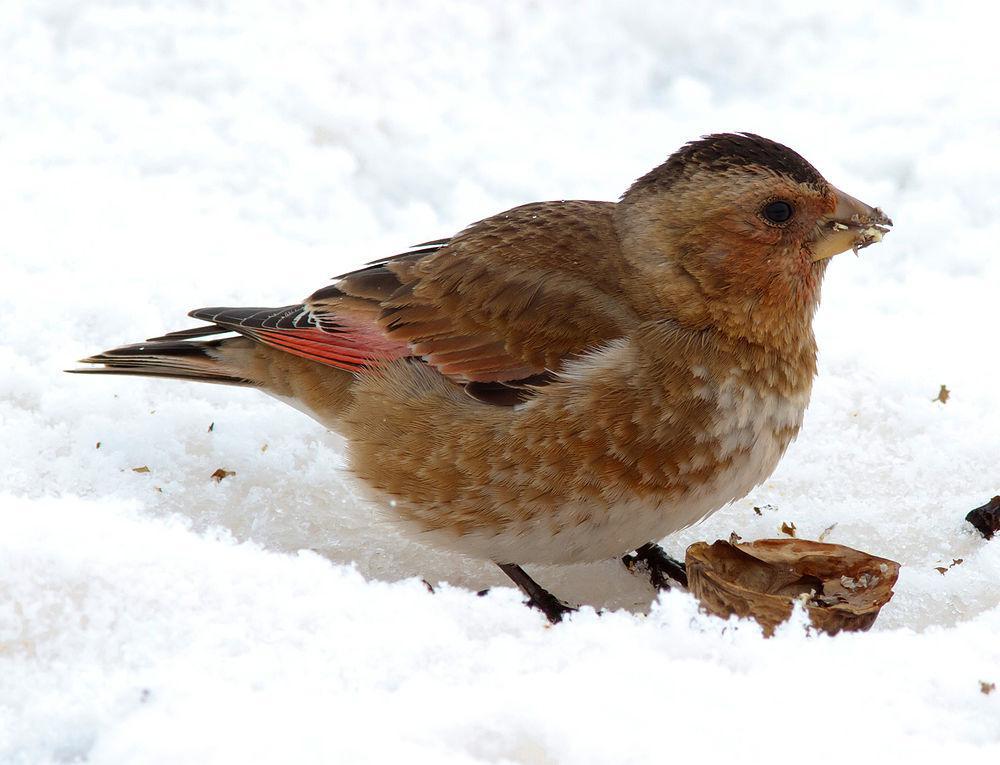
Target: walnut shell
(841, 588)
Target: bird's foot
(650, 559)
(538, 597)
(553, 608)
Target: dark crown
(725, 151)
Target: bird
(567, 381)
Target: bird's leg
(538, 596)
(660, 566)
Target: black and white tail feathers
(178, 355)
(171, 358)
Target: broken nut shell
(841, 588)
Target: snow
(158, 157)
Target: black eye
(778, 212)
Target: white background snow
(157, 157)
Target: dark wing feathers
(190, 334)
(373, 283)
(238, 319)
(414, 253)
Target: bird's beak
(852, 225)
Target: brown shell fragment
(841, 588)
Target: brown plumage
(564, 381)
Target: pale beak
(853, 225)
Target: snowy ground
(158, 157)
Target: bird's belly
(586, 529)
(562, 514)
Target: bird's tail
(206, 361)
(249, 359)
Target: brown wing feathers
(461, 304)
(478, 314)
(464, 305)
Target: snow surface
(158, 157)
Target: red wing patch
(349, 347)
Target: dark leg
(538, 596)
(660, 566)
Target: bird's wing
(509, 298)
(498, 307)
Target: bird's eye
(778, 211)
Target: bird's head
(737, 230)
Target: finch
(565, 381)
